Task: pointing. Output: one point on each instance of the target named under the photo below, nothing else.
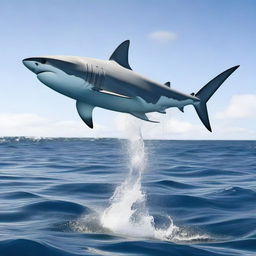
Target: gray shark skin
(113, 85)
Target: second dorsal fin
(168, 84)
(120, 55)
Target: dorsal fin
(120, 55)
(168, 84)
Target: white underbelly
(130, 105)
(78, 89)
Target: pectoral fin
(85, 112)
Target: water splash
(127, 214)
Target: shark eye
(36, 64)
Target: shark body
(113, 85)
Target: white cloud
(173, 128)
(122, 126)
(240, 107)
(168, 128)
(13, 121)
(177, 126)
(29, 124)
(162, 36)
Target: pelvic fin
(143, 116)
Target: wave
(128, 215)
(81, 188)
(19, 195)
(171, 184)
(31, 247)
(54, 193)
(17, 139)
(236, 191)
(56, 206)
(13, 247)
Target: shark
(112, 84)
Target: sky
(186, 42)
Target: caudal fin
(205, 93)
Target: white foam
(127, 214)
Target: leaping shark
(113, 85)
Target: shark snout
(36, 65)
(29, 64)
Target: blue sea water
(73, 197)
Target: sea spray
(127, 214)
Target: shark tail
(205, 93)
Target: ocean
(72, 196)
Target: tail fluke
(205, 93)
(201, 110)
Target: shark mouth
(44, 71)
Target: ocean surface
(69, 197)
